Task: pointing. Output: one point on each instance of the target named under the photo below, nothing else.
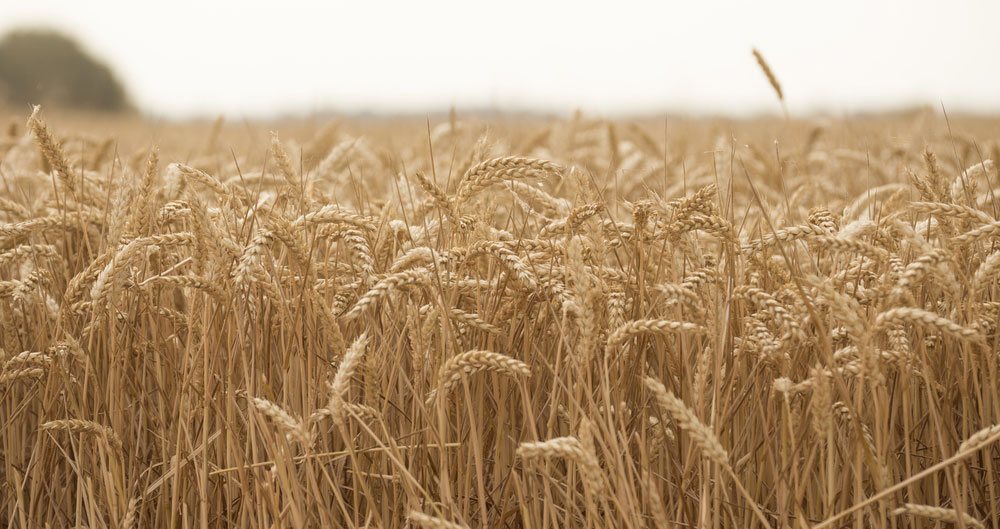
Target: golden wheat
(823, 315)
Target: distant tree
(42, 66)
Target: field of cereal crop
(500, 322)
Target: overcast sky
(252, 58)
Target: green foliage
(40, 66)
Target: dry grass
(575, 323)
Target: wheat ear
(51, 150)
(651, 326)
(702, 435)
(927, 320)
(342, 380)
(771, 78)
(87, 427)
(475, 361)
(938, 513)
(432, 522)
(292, 427)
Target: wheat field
(501, 323)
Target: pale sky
(253, 58)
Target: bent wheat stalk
(938, 513)
(87, 427)
(342, 380)
(927, 320)
(432, 522)
(474, 361)
(703, 437)
(651, 326)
